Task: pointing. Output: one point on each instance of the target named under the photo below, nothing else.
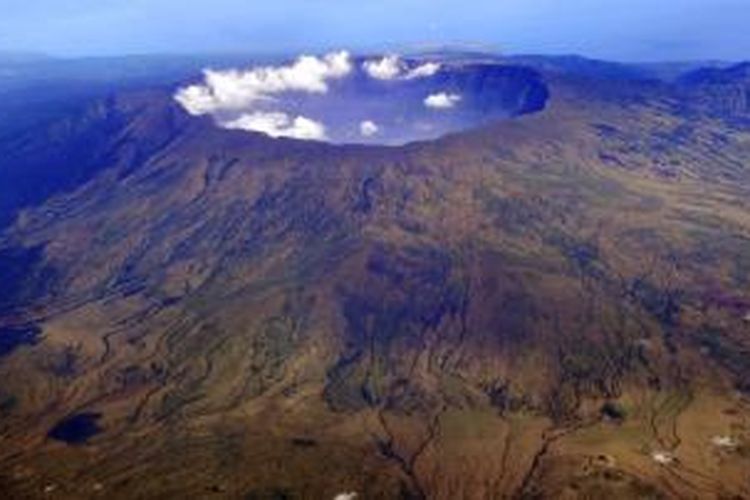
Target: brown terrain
(553, 306)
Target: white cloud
(391, 67)
(278, 124)
(442, 100)
(252, 99)
(424, 70)
(368, 128)
(387, 68)
(235, 90)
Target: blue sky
(611, 29)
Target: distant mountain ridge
(738, 73)
(11, 57)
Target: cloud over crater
(224, 92)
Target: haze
(624, 30)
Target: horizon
(631, 32)
(403, 51)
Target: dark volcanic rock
(76, 429)
(11, 338)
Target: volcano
(388, 100)
(546, 295)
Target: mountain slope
(723, 91)
(547, 306)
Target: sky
(627, 30)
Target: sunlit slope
(551, 306)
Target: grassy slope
(442, 320)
